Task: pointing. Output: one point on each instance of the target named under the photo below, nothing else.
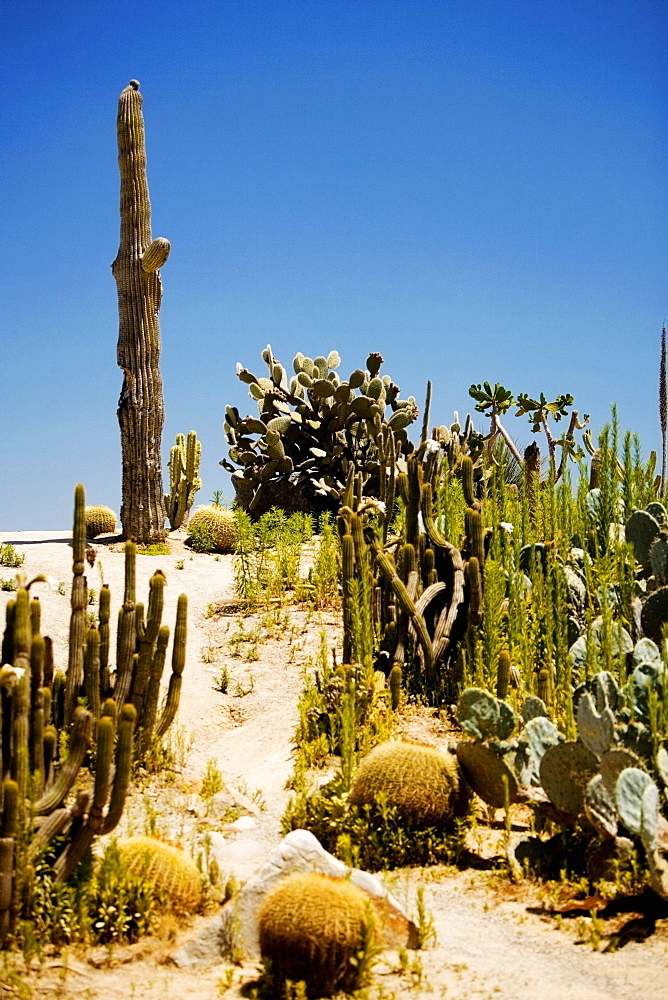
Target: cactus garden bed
(495, 936)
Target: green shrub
(10, 557)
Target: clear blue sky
(476, 189)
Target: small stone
(241, 824)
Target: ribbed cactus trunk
(141, 405)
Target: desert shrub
(10, 557)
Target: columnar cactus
(38, 705)
(136, 270)
(184, 482)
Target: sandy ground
(492, 940)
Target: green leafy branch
(496, 401)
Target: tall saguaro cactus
(136, 270)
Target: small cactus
(312, 928)
(170, 870)
(422, 782)
(221, 523)
(99, 521)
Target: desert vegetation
(518, 607)
(494, 692)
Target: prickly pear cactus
(312, 428)
(488, 773)
(641, 530)
(483, 716)
(654, 614)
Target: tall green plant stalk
(663, 410)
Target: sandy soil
(493, 939)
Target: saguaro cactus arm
(141, 405)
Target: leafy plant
(10, 557)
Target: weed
(202, 537)
(212, 782)
(212, 610)
(226, 981)
(171, 751)
(180, 564)
(61, 588)
(10, 557)
(209, 654)
(240, 691)
(154, 549)
(92, 596)
(590, 930)
(425, 922)
(8, 584)
(221, 681)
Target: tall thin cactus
(663, 409)
(136, 270)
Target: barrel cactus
(313, 928)
(99, 521)
(171, 871)
(422, 782)
(312, 428)
(212, 529)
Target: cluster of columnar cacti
(99, 521)
(426, 589)
(184, 459)
(313, 430)
(314, 929)
(41, 710)
(613, 776)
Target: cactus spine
(141, 406)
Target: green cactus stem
(178, 663)
(184, 482)
(394, 682)
(141, 406)
(503, 674)
(79, 604)
(97, 821)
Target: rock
(235, 927)
(230, 797)
(241, 824)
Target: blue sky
(475, 189)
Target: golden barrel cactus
(422, 782)
(99, 521)
(217, 526)
(312, 927)
(171, 871)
